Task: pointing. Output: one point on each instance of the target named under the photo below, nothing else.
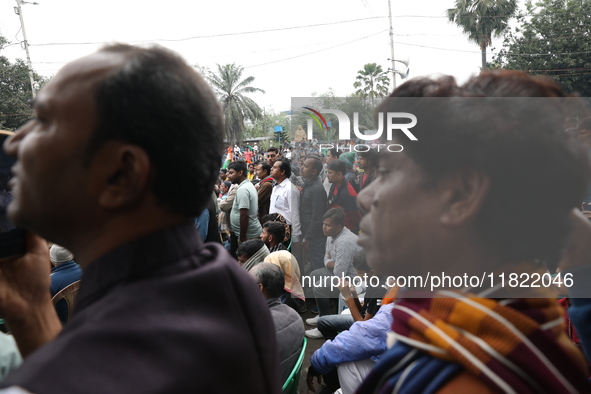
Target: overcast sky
(289, 58)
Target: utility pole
(18, 10)
(391, 46)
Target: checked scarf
(511, 345)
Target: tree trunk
(483, 51)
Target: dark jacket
(161, 314)
(312, 207)
(264, 194)
(289, 331)
(346, 198)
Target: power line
(320, 50)
(218, 35)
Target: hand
(330, 265)
(25, 280)
(25, 300)
(310, 379)
(345, 288)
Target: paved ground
(313, 345)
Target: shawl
(291, 269)
(510, 345)
(256, 258)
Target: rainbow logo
(318, 118)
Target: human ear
(125, 175)
(463, 195)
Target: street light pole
(19, 12)
(391, 46)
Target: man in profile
(264, 188)
(108, 170)
(448, 204)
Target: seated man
(329, 326)
(346, 360)
(466, 199)
(341, 247)
(65, 271)
(273, 235)
(289, 328)
(251, 253)
(294, 295)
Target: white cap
(59, 254)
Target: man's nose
(12, 142)
(365, 198)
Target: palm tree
(237, 107)
(482, 19)
(371, 82)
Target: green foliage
(349, 105)
(553, 40)
(15, 92)
(482, 19)
(264, 126)
(231, 90)
(372, 82)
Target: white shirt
(285, 199)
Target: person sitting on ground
(273, 235)
(251, 253)
(289, 328)
(294, 295)
(329, 326)
(347, 359)
(64, 272)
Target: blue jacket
(365, 339)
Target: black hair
(316, 163)
(159, 103)
(372, 157)
(338, 166)
(334, 152)
(272, 278)
(238, 166)
(360, 262)
(276, 229)
(273, 149)
(336, 214)
(284, 165)
(249, 248)
(265, 166)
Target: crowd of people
(193, 278)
